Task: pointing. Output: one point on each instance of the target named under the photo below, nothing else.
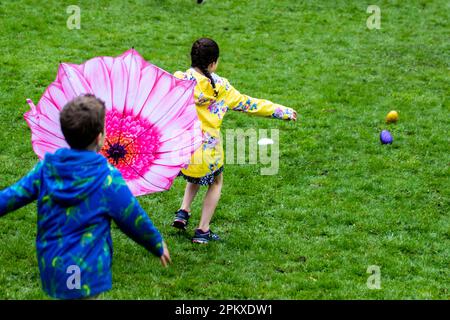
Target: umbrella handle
(32, 106)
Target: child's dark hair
(204, 52)
(82, 119)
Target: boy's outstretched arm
(259, 107)
(21, 193)
(131, 218)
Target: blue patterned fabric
(78, 193)
(205, 180)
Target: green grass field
(340, 202)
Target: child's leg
(189, 194)
(210, 203)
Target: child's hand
(165, 258)
(294, 115)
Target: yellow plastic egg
(392, 116)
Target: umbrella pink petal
(178, 101)
(133, 54)
(159, 181)
(45, 125)
(108, 62)
(41, 147)
(119, 83)
(174, 145)
(48, 109)
(78, 67)
(176, 133)
(56, 95)
(164, 171)
(42, 139)
(163, 85)
(72, 81)
(97, 74)
(169, 108)
(138, 60)
(161, 176)
(134, 77)
(149, 76)
(183, 121)
(40, 130)
(139, 187)
(179, 157)
(179, 154)
(169, 159)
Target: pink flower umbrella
(151, 122)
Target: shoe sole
(200, 241)
(179, 225)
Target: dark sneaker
(204, 237)
(181, 219)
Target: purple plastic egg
(386, 137)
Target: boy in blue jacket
(78, 193)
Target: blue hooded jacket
(78, 194)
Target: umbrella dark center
(116, 152)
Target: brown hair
(205, 51)
(82, 119)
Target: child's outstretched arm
(131, 218)
(21, 193)
(265, 108)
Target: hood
(70, 176)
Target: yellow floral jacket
(211, 110)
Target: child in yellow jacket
(214, 96)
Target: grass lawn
(340, 202)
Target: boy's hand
(165, 258)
